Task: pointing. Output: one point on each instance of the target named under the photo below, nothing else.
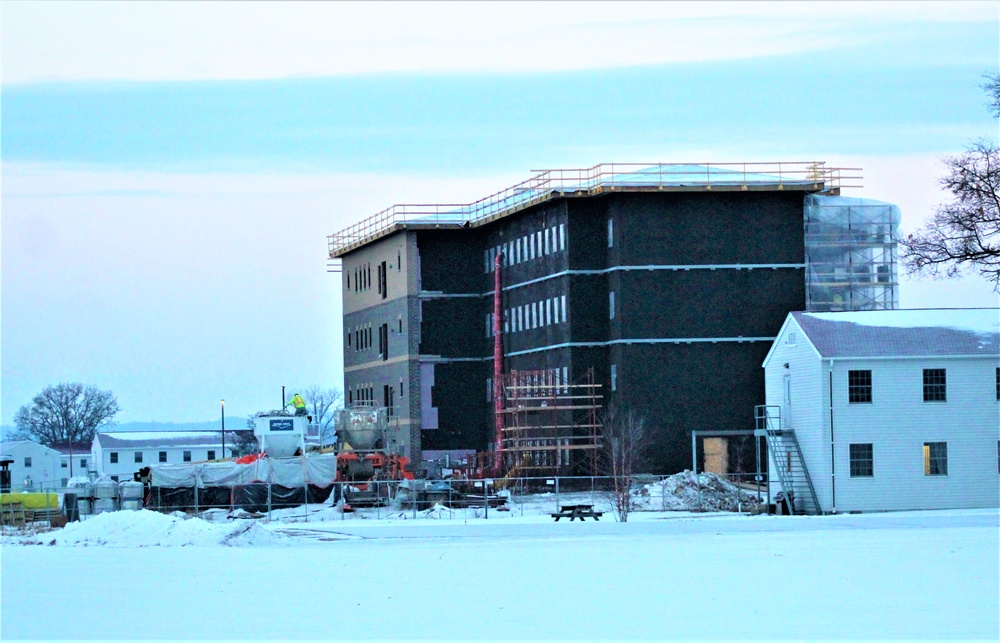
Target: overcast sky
(171, 170)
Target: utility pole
(223, 403)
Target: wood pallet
(12, 514)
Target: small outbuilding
(885, 410)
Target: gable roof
(152, 439)
(904, 333)
(10, 446)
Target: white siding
(897, 423)
(44, 469)
(809, 409)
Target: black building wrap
(702, 282)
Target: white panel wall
(127, 466)
(808, 407)
(898, 422)
(44, 469)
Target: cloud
(229, 40)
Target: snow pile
(149, 529)
(437, 511)
(688, 491)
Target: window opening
(859, 387)
(861, 461)
(935, 458)
(935, 385)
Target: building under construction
(506, 324)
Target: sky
(171, 171)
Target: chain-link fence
(448, 499)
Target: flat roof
(544, 185)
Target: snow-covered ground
(662, 575)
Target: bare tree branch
(963, 235)
(992, 87)
(64, 414)
(624, 442)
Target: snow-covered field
(662, 575)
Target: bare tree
(964, 234)
(323, 404)
(992, 87)
(624, 443)
(65, 414)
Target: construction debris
(689, 491)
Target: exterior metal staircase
(786, 458)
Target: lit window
(611, 233)
(611, 304)
(614, 377)
(562, 236)
(545, 236)
(563, 307)
(862, 461)
(935, 458)
(859, 387)
(935, 385)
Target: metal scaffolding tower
(550, 426)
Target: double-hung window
(862, 461)
(859, 387)
(935, 458)
(935, 385)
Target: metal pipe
(833, 470)
(497, 365)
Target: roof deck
(545, 185)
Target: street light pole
(223, 403)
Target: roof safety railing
(545, 184)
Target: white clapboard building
(120, 455)
(33, 467)
(885, 410)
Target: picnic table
(577, 511)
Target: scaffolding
(550, 425)
(850, 248)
